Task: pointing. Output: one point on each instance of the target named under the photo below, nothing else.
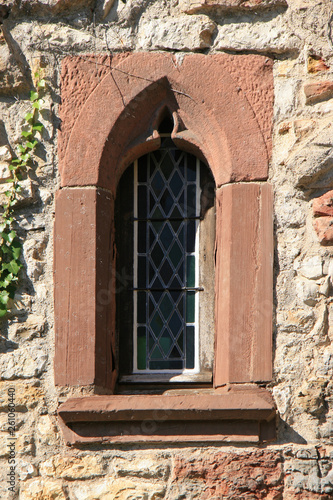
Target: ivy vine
(10, 245)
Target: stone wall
(297, 34)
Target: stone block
(145, 467)
(192, 6)
(324, 229)
(316, 64)
(323, 206)
(319, 91)
(40, 489)
(118, 489)
(47, 432)
(26, 363)
(12, 79)
(27, 395)
(228, 475)
(312, 268)
(32, 327)
(26, 196)
(81, 467)
(182, 33)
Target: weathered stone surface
(118, 489)
(47, 433)
(323, 206)
(315, 92)
(236, 34)
(23, 363)
(181, 34)
(40, 489)
(192, 6)
(324, 229)
(47, 7)
(312, 268)
(25, 197)
(146, 467)
(307, 291)
(12, 79)
(32, 327)
(82, 467)
(27, 395)
(243, 475)
(316, 64)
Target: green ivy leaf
(37, 104)
(4, 297)
(21, 148)
(26, 133)
(41, 83)
(31, 145)
(28, 117)
(3, 311)
(14, 266)
(16, 249)
(38, 126)
(33, 96)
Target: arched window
(165, 222)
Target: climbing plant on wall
(10, 245)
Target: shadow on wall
(286, 434)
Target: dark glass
(190, 307)
(190, 242)
(191, 168)
(190, 270)
(191, 200)
(175, 353)
(142, 202)
(157, 255)
(141, 272)
(176, 254)
(166, 273)
(167, 166)
(175, 324)
(142, 168)
(157, 184)
(189, 347)
(176, 184)
(141, 306)
(165, 342)
(157, 353)
(142, 348)
(166, 306)
(166, 236)
(166, 202)
(166, 365)
(156, 324)
(142, 232)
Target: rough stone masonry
(298, 35)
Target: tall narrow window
(166, 260)
(165, 234)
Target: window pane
(141, 355)
(165, 240)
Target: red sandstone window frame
(221, 121)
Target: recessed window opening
(165, 237)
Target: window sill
(233, 414)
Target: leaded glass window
(166, 239)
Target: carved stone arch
(220, 118)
